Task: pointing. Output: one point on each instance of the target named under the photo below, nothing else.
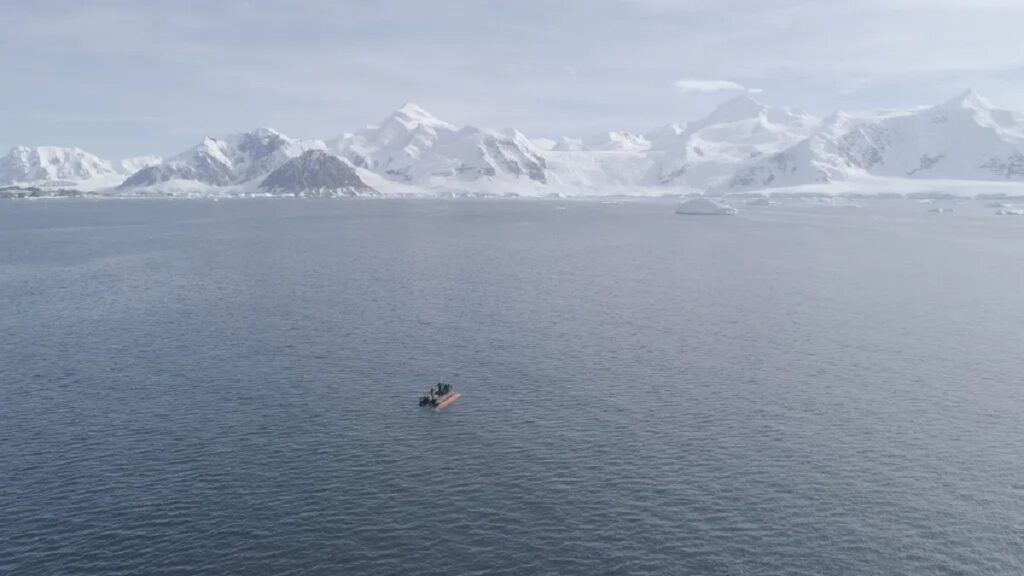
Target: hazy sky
(125, 78)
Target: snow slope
(129, 166)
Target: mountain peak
(414, 111)
(413, 114)
(261, 135)
(265, 132)
(968, 99)
(737, 108)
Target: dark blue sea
(213, 388)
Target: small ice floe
(705, 207)
(761, 202)
(999, 205)
(1010, 212)
(940, 210)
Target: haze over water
(230, 388)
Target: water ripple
(227, 389)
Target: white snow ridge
(964, 146)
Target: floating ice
(705, 207)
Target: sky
(154, 77)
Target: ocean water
(198, 387)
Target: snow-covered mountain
(707, 151)
(962, 139)
(413, 146)
(316, 173)
(65, 166)
(24, 165)
(236, 159)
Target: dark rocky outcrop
(316, 173)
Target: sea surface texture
(211, 388)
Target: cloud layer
(701, 85)
(704, 86)
(114, 76)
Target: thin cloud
(687, 85)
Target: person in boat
(435, 395)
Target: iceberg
(705, 207)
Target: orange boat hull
(451, 398)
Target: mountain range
(741, 146)
(962, 139)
